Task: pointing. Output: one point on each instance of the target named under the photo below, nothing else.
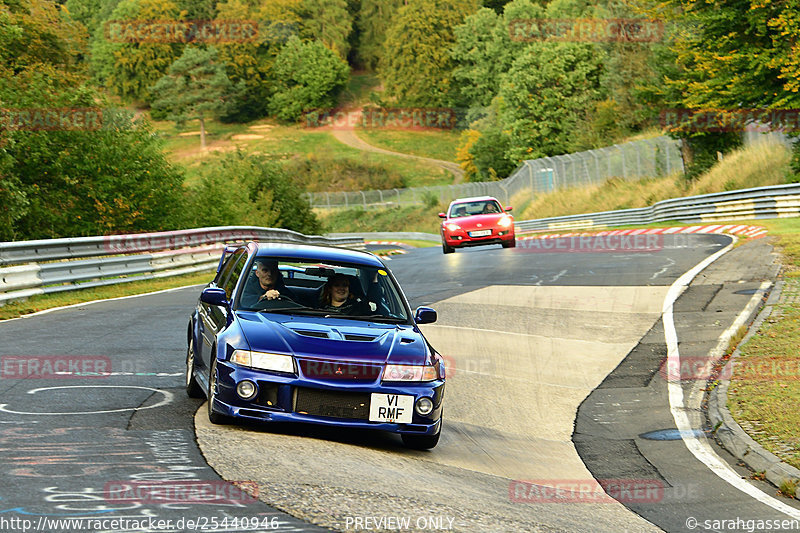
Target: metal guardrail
(761, 202)
(58, 265)
(392, 235)
(57, 249)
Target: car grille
(332, 370)
(334, 404)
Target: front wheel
(447, 249)
(193, 390)
(213, 416)
(421, 442)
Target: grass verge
(406, 218)
(765, 386)
(436, 144)
(41, 302)
(345, 168)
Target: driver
(266, 284)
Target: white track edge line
(699, 446)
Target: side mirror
(442, 215)
(509, 208)
(214, 296)
(424, 315)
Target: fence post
(638, 161)
(529, 166)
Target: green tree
(110, 178)
(87, 179)
(546, 95)
(245, 189)
(728, 55)
(484, 50)
(307, 76)
(417, 65)
(91, 13)
(124, 65)
(195, 87)
(249, 64)
(330, 22)
(34, 32)
(374, 19)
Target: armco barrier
(58, 265)
(775, 201)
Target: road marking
(698, 444)
(168, 397)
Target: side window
(237, 263)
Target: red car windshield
(466, 209)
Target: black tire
(193, 390)
(447, 249)
(510, 244)
(421, 442)
(214, 417)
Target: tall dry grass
(753, 166)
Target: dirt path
(349, 137)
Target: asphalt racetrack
(553, 383)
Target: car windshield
(481, 207)
(296, 286)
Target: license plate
(395, 408)
(480, 233)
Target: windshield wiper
(373, 318)
(292, 310)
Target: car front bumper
(283, 398)
(462, 238)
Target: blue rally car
(314, 334)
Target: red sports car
(476, 221)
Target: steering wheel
(281, 299)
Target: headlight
(504, 222)
(409, 373)
(453, 227)
(264, 361)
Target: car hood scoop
(336, 339)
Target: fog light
(424, 406)
(246, 389)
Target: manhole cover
(671, 434)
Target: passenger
(337, 296)
(266, 283)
